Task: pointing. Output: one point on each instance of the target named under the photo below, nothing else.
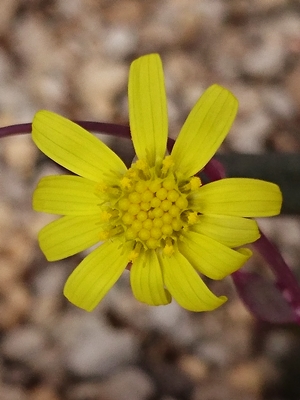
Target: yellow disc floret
(151, 208)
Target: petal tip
(70, 295)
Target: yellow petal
(238, 196)
(96, 274)
(69, 235)
(186, 286)
(66, 195)
(75, 148)
(204, 130)
(228, 230)
(210, 257)
(147, 281)
(148, 108)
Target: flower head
(156, 215)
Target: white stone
(119, 42)
(267, 57)
(90, 347)
(278, 101)
(175, 321)
(70, 8)
(249, 134)
(20, 153)
(9, 392)
(49, 281)
(128, 384)
(98, 82)
(8, 8)
(24, 343)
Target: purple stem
(15, 130)
(286, 280)
(100, 127)
(103, 127)
(215, 170)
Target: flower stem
(286, 281)
(18, 129)
(215, 170)
(99, 127)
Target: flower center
(150, 207)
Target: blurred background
(72, 57)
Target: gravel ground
(72, 57)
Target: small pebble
(73, 57)
(90, 348)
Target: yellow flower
(156, 215)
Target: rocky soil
(72, 57)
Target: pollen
(104, 235)
(195, 182)
(141, 165)
(101, 187)
(126, 182)
(152, 209)
(135, 253)
(168, 249)
(192, 217)
(167, 164)
(105, 216)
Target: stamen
(116, 231)
(135, 252)
(114, 191)
(167, 164)
(126, 182)
(195, 182)
(142, 170)
(104, 235)
(101, 187)
(132, 173)
(192, 217)
(141, 165)
(169, 248)
(105, 216)
(186, 187)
